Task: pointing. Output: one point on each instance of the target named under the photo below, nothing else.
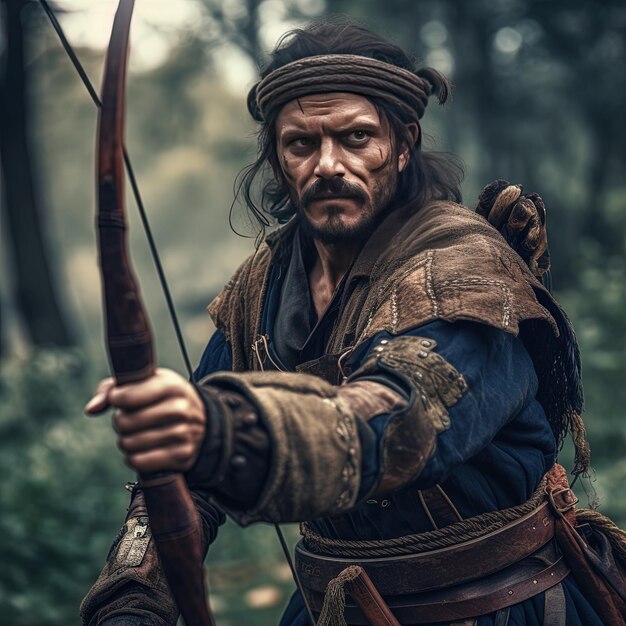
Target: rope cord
(294, 574)
(134, 186)
(332, 613)
(454, 534)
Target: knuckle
(169, 377)
(183, 453)
(177, 406)
(117, 396)
(105, 384)
(198, 435)
(125, 444)
(180, 432)
(137, 461)
(177, 455)
(120, 422)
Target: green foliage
(58, 501)
(62, 501)
(598, 311)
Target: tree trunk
(33, 283)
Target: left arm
(280, 446)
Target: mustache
(324, 189)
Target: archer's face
(339, 159)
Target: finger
(161, 385)
(520, 215)
(100, 401)
(176, 458)
(499, 212)
(541, 264)
(533, 234)
(537, 200)
(166, 412)
(489, 194)
(165, 437)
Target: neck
(331, 263)
(334, 260)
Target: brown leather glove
(131, 588)
(521, 219)
(131, 582)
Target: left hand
(160, 421)
(521, 219)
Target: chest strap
(438, 507)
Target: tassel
(335, 598)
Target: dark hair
(428, 175)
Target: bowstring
(134, 187)
(294, 574)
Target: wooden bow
(175, 522)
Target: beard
(334, 230)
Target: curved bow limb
(175, 522)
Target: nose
(329, 163)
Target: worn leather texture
(434, 385)
(442, 262)
(301, 413)
(314, 433)
(131, 581)
(595, 571)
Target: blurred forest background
(539, 99)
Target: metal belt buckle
(567, 496)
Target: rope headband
(351, 73)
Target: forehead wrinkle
(338, 124)
(325, 104)
(324, 118)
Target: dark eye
(358, 137)
(301, 142)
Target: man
(424, 376)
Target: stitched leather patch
(437, 382)
(435, 386)
(131, 580)
(133, 544)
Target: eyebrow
(364, 123)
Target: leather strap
(554, 611)
(434, 569)
(438, 507)
(470, 600)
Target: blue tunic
(497, 449)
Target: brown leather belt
(437, 568)
(439, 585)
(516, 584)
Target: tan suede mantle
(444, 262)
